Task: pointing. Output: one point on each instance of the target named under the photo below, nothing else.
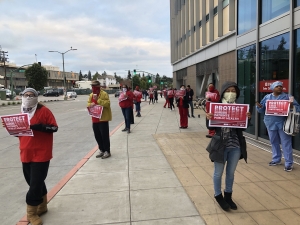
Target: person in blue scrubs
(274, 126)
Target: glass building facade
(246, 15)
(273, 8)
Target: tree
(136, 81)
(85, 76)
(36, 76)
(80, 75)
(96, 75)
(89, 76)
(281, 45)
(104, 73)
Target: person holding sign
(182, 100)
(230, 148)
(274, 125)
(36, 153)
(125, 102)
(137, 102)
(212, 95)
(100, 125)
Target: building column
(197, 17)
(220, 18)
(204, 41)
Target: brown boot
(42, 208)
(32, 216)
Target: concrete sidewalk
(160, 174)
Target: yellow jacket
(103, 100)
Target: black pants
(171, 100)
(101, 132)
(35, 174)
(151, 100)
(132, 117)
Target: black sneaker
(193, 116)
(128, 131)
(100, 155)
(288, 168)
(125, 129)
(106, 155)
(274, 163)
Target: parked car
(117, 94)
(51, 93)
(72, 94)
(8, 93)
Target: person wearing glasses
(36, 153)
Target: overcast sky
(109, 35)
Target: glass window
(246, 80)
(272, 8)
(296, 79)
(274, 65)
(297, 3)
(225, 3)
(246, 15)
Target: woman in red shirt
(36, 153)
(125, 102)
(183, 107)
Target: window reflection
(246, 80)
(272, 8)
(274, 65)
(246, 15)
(297, 3)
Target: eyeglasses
(29, 95)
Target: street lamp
(63, 58)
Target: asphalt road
(72, 142)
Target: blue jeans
(277, 137)
(138, 107)
(127, 116)
(192, 108)
(232, 156)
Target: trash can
(3, 94)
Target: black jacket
(219, 157)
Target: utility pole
(4, 59)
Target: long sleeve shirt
(275, 122)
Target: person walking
(132, 111)
(101, 125)
(151, 96)
(145, 94)
(183, 107)
(211, 96)
(165, 93)
(235, 149)
(125, 102)
(161, 93)
(36, 153)
(155, 96)
(274, 125)
(190, 94)
(138, 97)
(171, 98)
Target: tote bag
(291, 125)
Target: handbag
(291, 125)
(216, 148)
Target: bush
(3, 104)
(18, 103)
(9, 103)
(13, 103)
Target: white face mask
(181, 88)
(124, 89)
(229, 97)
(29, 105)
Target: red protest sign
(229, 115)
(277, 107)
(17, 124)
(95, 111)
(137, 93)
(122, 96)
(180, 93)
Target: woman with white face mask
(235, 149)
(36, 153)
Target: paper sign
(170, 92)
(229, 115)
(17, 124)
(95, 111)
(137, 93)
(180, 93)
(122, 97)
(277, 107)
(211, 95)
